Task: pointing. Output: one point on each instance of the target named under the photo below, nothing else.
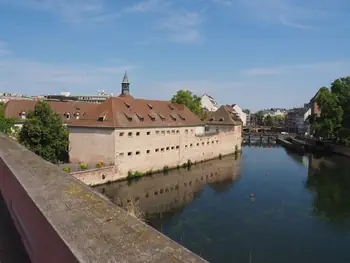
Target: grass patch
(166, 169)
(134, 210)
(134, 174)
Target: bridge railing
(60, 219)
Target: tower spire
(125, 85)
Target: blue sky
(257, 53)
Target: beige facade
(145, 149)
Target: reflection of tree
(331, 186)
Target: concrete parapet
(60, 219)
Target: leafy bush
(66, 169)
(99, 164)
(165, 169)
(135, 174)
(83, 166)
(178, 167)
(220, 156)
(189, 163)
(184, 165)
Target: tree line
(333, 122)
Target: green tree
(44, 134)
(259, 118)
(331, 116)
(268, 121)
(192, 102)
(6, 124)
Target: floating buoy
(251, 195)
(267, 173)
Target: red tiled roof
(224, 115)
(14, 107)
(124, 112)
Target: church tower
(125, 85)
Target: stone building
(143, 135)
(137, 134)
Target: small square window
(186, 131)
(157, 150)
(121, 155)
(217, 141)
(130, 134)
(202, 143)
(121, 134)
(138, 134)
(167, 132)
(185, 146)
(137, 153)
(129, 153)
(197, 144)
(163, 132)
(212, 142)
(162, 149)
(208, 142)
(167, 148)
(148, 151)
(191, 145)
(173, 132)
(191, 130)
(157, 132)
(177, 132)
(148, 133)
(178, 147)
(172, 147)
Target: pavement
(11, 247)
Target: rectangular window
(191, 145)
(148, 133)
(162, 149)
(212, 142)
(121, 134)
(130, 134)
(138, 134)
(157, 132)
(197, 144)
(129, 153)
(167, 148)
(202, 143)
(167, 132)
(157, 150)
(148, 151)
(208, 142)
(121, 155)
(172, 147)
(191, 130)
(163, 132)
(137, 153)
(178, 131)
(186, 131)
(173, 132)
(178, 147)
(217, 141)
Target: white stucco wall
(241, 114)
(207, 104)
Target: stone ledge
(92, 227)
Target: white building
(209, 103)
(301, 121)
(241, 114)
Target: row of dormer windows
(168, 132)
(169, 148)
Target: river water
(267, 206)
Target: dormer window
(181, 117)
(221, 119)
(77, 115)
(171, 107)
(173, 117)
(128, 116)
(140, 117)
(101, 118)
(149, 106)
(151, 116)
(67, 115)
(211, 119)
(22, 114)
(161, 116)
(127, 104)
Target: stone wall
(91, 145)
(60, 219)
(97, 176)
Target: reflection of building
(159, 193)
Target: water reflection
(329, 180)
(160, 195)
